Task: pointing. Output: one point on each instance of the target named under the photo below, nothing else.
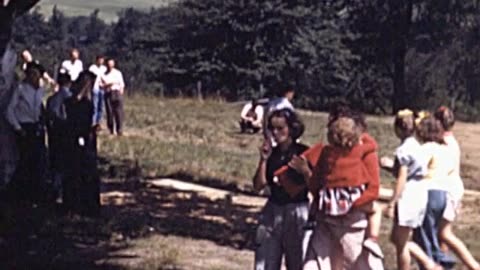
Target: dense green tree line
(381, 55)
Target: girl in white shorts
(409, 201)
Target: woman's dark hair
(63, 79)
(295, 124)
(430, 129)
(446, 117)
(82, 87)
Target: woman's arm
(260, 178)
(373, 187)
(397, 192)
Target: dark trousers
(29, 181)
(426, 236)
(81, 191)
(56, 153)
(247, 125)
(114, 110)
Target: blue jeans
(98, 97)
(426, 236)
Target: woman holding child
(345, 183)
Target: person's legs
(101, 98)
(427, 236)
(118, 115)
(400, 237)
(319, 251)
(109, 111)
(426, 261)
(268, 252)
(351, 241)
(447, 236)
(295, 238)
(243, 126)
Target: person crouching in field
(280, 231)
(251, 117)
(409, 201)
(344, 190)
(56, 127)
(82, 184)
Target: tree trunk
(402, 13)
(8, 11)
(399, 96)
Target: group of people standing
(322, 211)
(71, 118)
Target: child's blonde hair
(344, 133)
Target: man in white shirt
(251, 117)
(99, 69)
(74, 65)
(24, 114)
(114, 86)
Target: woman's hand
(265, 150)
(300, 164)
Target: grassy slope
(200, 140)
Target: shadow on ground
(42, 238)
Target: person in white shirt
(251, 117)
(99, 69)
(74, 65)
(24, 114)
(283, 101)
(114, 86)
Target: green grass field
(108, 8)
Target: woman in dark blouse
(82, 187)
(282, 221)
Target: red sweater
(337, 168)
(312, 155)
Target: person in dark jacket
(82, 185)
(56, 126)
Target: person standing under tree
(24, 113)
(56, 125)
(99, 69)
(74, 65)
(82, 181)
(114, 86)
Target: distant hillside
(108, 8)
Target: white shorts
(412, 205)
(452, 208)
